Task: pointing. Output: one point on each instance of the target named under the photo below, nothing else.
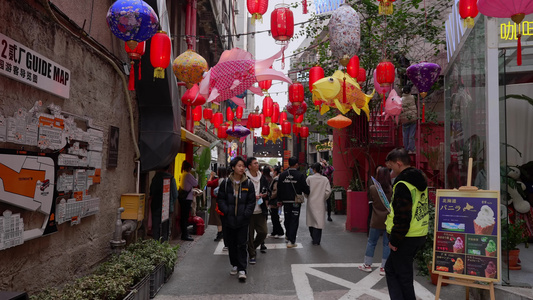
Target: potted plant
(513, 234)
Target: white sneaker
(382, 271)
(242, 276)
(225, 249)
(291, 245)
(279, 236)
(365, 268)
(233, 271)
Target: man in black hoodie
(290, 183)
(407, 224)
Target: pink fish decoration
(236, 72)
(393, 106)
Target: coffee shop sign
(27, 66)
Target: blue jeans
(373, 237)
(409, 131)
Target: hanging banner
(166, 200)
(467, 235)
(27, 66)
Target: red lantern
(299, 119)
(208, 114)
(304, 132)
(282, 26)
(160, 53)
(197, 115)
(385, 7)
(192, 97)
(275, 112)
(353, 66)
(261, 119)
(265, 130)
(265, 85)
(257, 8)
(222, 131)
(239, 112)
(229, 115)
(134, 54)
(361, 76)
(286, 128)
(315, 73)
(268, 108)
(296, 93)
(385, 73)
(218, 118)
(283, 117)
(295, 129)
(468, 11)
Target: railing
(376, 131)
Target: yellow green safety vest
(420, 215)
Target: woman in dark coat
(236, 202)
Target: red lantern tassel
(519, 50)
(139, 70)
(304, 4)
(131, 83)
(423, 112)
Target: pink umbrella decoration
(514, 9)
(423, 76)
(393, 106)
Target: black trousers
(236, 240)
(276, 225)
(399, 269)
(160, 230)
(316, 234)
(328, 206)
(292, 220)
(185, 209)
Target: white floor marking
(220, 246)
(357, 289)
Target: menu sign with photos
(467, 234)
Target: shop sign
(454, 30)
(166, 200)
(467, 235)
(509, 30)
(25, 65)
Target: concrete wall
(96, 92)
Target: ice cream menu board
(467, 234)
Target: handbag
(298, 199)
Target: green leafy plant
(515, 236)
(424, 256)
(114, 278)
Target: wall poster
(467, 235)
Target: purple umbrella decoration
(423, 76)
(132, 21)
(238, 132)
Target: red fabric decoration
(160, 53)
(353, 66)
(361, 76)
(468, 11)
(275, 112)
(134, 54)
(385, 73)
(257, 8)
(296, 93)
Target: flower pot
(513, 259)
(435, 277)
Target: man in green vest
(407, 223)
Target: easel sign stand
(467, 237)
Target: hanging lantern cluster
(257, 8)
(189, 67)
(282, 26)
(423, 76)
(160, 53)
(132, 21)
(468, 11)
(386, 7)
(134, 54)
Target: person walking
(236, 202)
(258, 223)
(267, 173)
(327, 170)
(185, 197)
(275, 205)
(160, 230)
(214, 217)
(319, 191)
(377, 222)
(407, 223)
(409, 118)
(291, 183)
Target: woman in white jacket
(316, 202)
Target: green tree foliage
(413, 33)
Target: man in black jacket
(290, 183)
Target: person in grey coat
(409, 118)
(319, 191)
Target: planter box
(157, 279)
(168, 274)
(140, 291)
(357, 212)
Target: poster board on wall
(467, 235)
